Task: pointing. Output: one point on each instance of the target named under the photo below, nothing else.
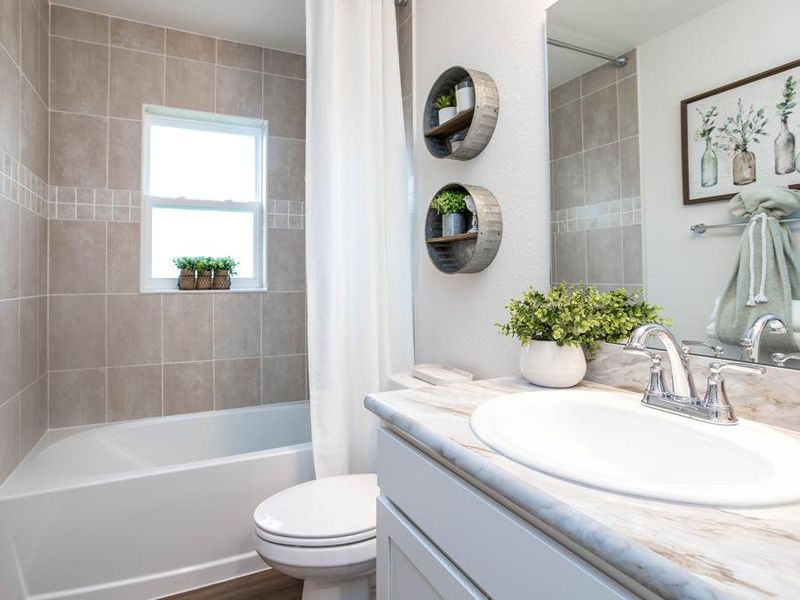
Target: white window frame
(209, 122)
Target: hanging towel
(766, 277)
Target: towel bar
(701, 228)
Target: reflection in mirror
(667, 120)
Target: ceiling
(278, 24)
(611, 27)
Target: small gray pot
(453, 224)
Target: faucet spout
(751, 342)
(683, 387)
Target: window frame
(196, 120)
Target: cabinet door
(410, 567)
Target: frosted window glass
(201, 232)
(202, 164)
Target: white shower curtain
(358, 255)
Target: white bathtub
(146, 508)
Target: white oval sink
(611, 441)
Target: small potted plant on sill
(187, 280)
(204, 266)
(451, 206)
(446, 104)
(560, 328)
(223, 269)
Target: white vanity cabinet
(441, 537)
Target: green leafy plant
(708, 122)
(446, 100)
(578, 315)
(789, 94)
(225, 263)
(448, 202)
(203, 263)
(184, 263)
(742, 130)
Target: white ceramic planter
(445, 114)
(550, 365)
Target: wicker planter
(204, 280)
(222, 279)
(187, 280)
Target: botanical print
(742, 136)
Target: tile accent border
(22, 187)
(602, 215)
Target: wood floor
(266, 585)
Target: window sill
(177, 291)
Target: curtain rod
(619, 61)
(702, 227)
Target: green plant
(225, 263)
(578, 315)
(742, 130)
(203, 263)
(707, 126)
(448, 202)
(789, 93)
(184, 262)
(446, 100)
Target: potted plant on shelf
(223, 269)
(560, 328)
(204, 266)
(451, 206)
(446, 104)
(187, 280)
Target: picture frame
(739, 136)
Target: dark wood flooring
(265, 585)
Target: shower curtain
(358, 254)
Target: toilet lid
(325, 512)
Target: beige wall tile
(629, 167)
(43, 246)
(34, 44)
(238, 92)
(124, 154)
(571, 257)
(633, 271)
(33, 415)
(405, 48)
(78, 150)
(136, 78)
(602, 76)
(284, 63)
(237, 383)
(285, 106)
(628, 108)
(190, 45)
(9, 249)
(600, 120)
(77, 332)
(566, 92)
(134, 329)
(42, 335)
(286, 257)
(123, 257)
(78, 24)
(601, 172)
(566, 136)
(77, 397)
(286, 169)
(237, 325)
(34, 133)
(190, 84)
(9, 349)
(9, 104)
(78, 77)
(187, 327)
(603, 251)
(9, 26)
(134, 392)
(77, 257)
(9, 437)
(30, 261)
(234, 54)
(137, 36)
(28, 341)
(284, 378)
(283, 323)
(188, 387)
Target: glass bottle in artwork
(736, 137)
(785, 142)
(744, 168)
(708, 166)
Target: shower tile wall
(594, 169)
(115, 353)
(23, 228)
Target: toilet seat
(318, 542)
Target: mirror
(660, 112)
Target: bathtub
(147, 508)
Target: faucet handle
(717, 369)
(720, 410)
(717, 351)
(641, 350)
(780, 359)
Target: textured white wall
(685, 272)
(455, 314)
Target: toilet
(323, 531)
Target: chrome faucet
(682, 399)
(751, 342)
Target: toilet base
(351, 589)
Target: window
(203, 188)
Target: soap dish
(440, 374)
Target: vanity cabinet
(441, 537)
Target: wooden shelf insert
(453, 238)
(461, 121)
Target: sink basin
(611, 441)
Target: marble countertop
(678, 552)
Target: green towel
(766, 277)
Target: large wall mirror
(660, 113)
